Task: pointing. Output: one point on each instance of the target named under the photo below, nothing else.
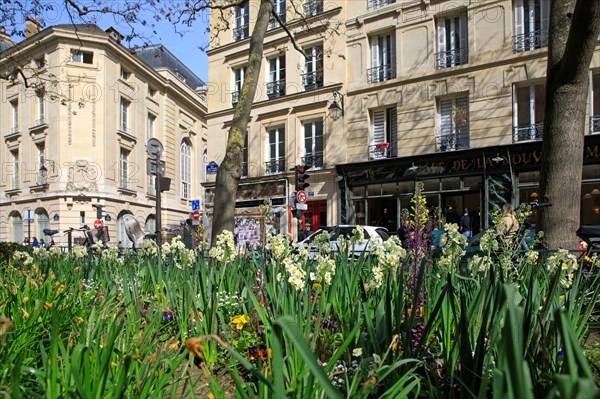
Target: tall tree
(574, 29)
(230, 170)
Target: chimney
(32, 26)
(4, 37)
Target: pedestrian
(35, 242)
(466, 225)
(120, 249)
(510, 224)
(42, 243)
(305, 232)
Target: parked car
(346, 231)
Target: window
(373, 4)
(84, 57)
(276, 156)
(383, 58)
(313, 67)
(150, 225)
(240, 22)
(529, 103)
(312, 8)
(150, 126)
(15, 116)
(384, 137)
(238, 82)
(124, 169)
(41, 108)
(276, 85)
(15, 171)
(122, 231)
(185, 169)
(125, 74)
(595, 103)
(313, 144)
(43, 222)
(452, 41)
(41, 179)
(124, 122)
(453, 132)
(151, 92)
(245, 158)
(17, 228)
(531, 24)
(279, 10)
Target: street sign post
(301, 207)
(98, 225)
(29, 215)
(195, 205)
(196, 215)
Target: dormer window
(40, 62)
(180, 76)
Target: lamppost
(336, 110)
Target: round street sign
(154, 147)
(301, 197)
(196, 215)
(98, 224)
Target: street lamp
(336, 111)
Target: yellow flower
(25, 299)
(47, 305)
(25, 313)
(79, 320)
(239, 321)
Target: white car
(347, 231)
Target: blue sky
(185, 48)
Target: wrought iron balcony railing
(312, 80)
(275, 166)
(595, 124)
(276, 89)
(381, 73)
(450, 58)
(312, 8)
(374, 4)
(452, 141)
(240, 33)
(381, 151)
(314, 160)
(528, 132)
(530, 40)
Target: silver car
(346, 231)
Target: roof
(158, 56)
(4, 46)
(83, 28)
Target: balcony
(530, 41)
(313, 161)
(273, 23)
(450, 58)
(275, 166)
(381, 73)
(312, 8)
(382, 151)
(595, 124)
(276, 89)
(312, 80)
(374, 4)
(528, 132)
(452, 141)
(240, 33)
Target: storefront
(376, 192)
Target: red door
(315, 215)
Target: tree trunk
(574, 28)
(228, 176)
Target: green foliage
(7, 249)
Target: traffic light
(301, 177)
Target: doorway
(315, 215)
(454, 206)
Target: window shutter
(544, 20)
(272, 145)
(374, 52)
(464, 38)
(393, 128)
(281, 138)
(462, 106)
(445, 117)
(378, 127)
(308, 139)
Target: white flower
(357, 352)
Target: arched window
(43, 222)
(150, 225)
(17, 227)
(122, 235)
(185, 169)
